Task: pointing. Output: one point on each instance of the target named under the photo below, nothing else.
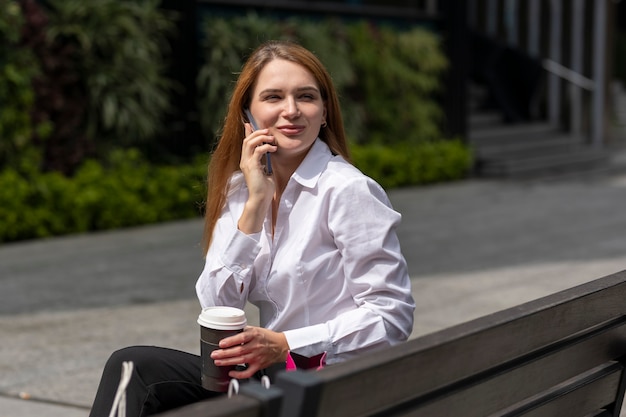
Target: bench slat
(237, 406)
(578, 396)
(438, 361)
(492, 391)
(253, 400)
(601, 413)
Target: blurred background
(109, 109)
(491, 123)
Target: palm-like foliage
(122, 57)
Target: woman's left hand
(255, 346)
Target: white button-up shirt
(332, 278)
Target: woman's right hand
(261, 187)
(255, 346)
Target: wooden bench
(252, 401)
(561, 355)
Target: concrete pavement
(473, 247)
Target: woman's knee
(155, 364)
(142, 357)
(135, 354)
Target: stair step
(501, 133)
(525, 166)
(484, 120)
(508, 148)
(522, 150)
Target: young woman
(313, 244)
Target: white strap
(119, 402)
(233, 387)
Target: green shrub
(125, 191)
(413, 164)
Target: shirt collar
(313, 164)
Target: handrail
(554, 62)
(568, 74)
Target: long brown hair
(225, 159)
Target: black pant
(162, 379)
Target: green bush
(125, 191)
(128, 191)
(413, 164)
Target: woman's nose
(291, 108)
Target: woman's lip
(291, 130)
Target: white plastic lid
(222, 318)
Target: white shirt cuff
(239, 254)
(315, 339)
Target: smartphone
(268, 161)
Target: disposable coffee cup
(217, 323)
